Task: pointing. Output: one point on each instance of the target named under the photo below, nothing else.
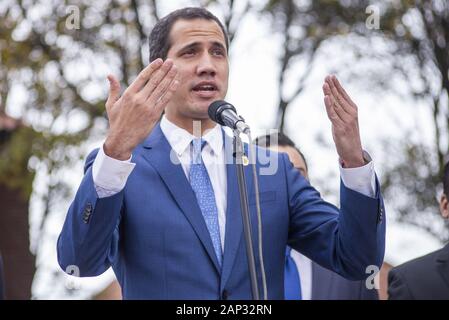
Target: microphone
(225, 114)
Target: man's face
(295, 158)
(198, 49)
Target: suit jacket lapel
(442, 261)
(158, 152)
(234, 225)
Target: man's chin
(203, 107)
(200, 115)
(198, 109)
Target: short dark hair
(446, 179)
(283, 140)
(159, 39)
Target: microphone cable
(252, 160)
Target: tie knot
(288, 251)
(197, 145)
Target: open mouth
(205, 88)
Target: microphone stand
(238, 155)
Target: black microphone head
(216, 108)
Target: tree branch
(154, 6)
(135, 7)
(139, 27)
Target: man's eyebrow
(218, 44)
(193, 45)
(189, 46)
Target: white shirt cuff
(109, 174)
(361, 179)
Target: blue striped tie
(292, 282)
(204, 192)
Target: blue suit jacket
(154, 235)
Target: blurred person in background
(303, 278)
(426, 277)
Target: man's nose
(206, 65)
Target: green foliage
(413, 185)
(14, 156)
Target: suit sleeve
(345, 240)
(87, 244)
(397, 286)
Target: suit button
(381, 214)
(87, 212)
(224, 295)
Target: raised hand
(342, 112)
(133, 115)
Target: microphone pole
(225, 114)
(244, 205)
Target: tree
(304, 26)
(419, 32)
(15, 188)
(415, 35)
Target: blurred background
(391, 56)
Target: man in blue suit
(159, 200)
(308, 280)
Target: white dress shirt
(110, 175)
(304, 266)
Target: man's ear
(444, 206)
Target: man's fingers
(326, 89)
(162, 102)
(144, 75)
(162, 86)
(334, 90)
(342, 106)
(114, 91)
(342, 114)
(333, 116)
(342, 91)
(156, 78)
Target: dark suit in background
(327, 285)
(424, 278)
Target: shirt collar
(180, 139)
